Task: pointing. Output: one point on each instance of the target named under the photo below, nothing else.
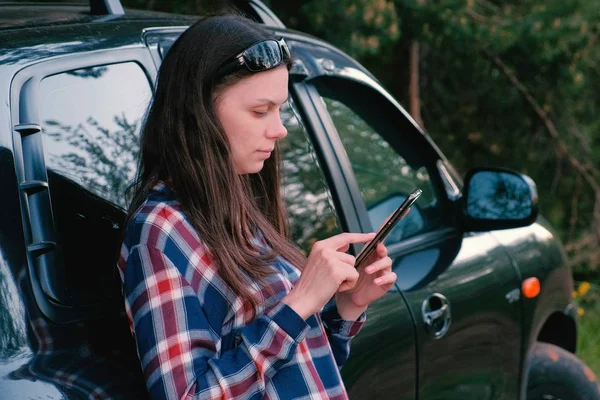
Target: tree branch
(587, 172)
(583, 141)
(477, 17)
(583, 241)
(489, 5)
(560, 145)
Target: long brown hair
(182, 139)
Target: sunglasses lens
(262, 56)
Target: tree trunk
(415, 99)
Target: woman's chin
(255, 168)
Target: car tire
(556, 374)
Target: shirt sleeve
(339, 331)
(178, 348)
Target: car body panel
(383, 356)
(538, 253)
(484, 321)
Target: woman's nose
(278, 130)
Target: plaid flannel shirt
(196, 338)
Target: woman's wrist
(298, 305)
(349, 312)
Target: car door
(459, 286)
(75, 123)
(382, 363)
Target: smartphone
(388, 226)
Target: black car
(482, 307)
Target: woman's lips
(265, 153)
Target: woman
(213, 288)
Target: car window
(91, 119)
(308, 199)
(387, 166)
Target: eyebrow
(269, 101)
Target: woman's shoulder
(160, 226)
(160, 223)
(159, 230)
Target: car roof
(35, 15)
(35, 31)
(31, 31)
(57, 28)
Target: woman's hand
(329, 269)
(375, 279)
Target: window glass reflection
(91, 119)
(384, 176)
(498, 196)
(307, 197)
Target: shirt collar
(163, 186)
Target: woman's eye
(260, 113)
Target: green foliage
(508, 83)
(363, 26)
(587, 297)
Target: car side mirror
(498, 199)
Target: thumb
(346, 285)
(350, 281)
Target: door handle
(436, 315)
(431, 316)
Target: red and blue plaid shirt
(196, 338)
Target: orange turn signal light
(531, 287)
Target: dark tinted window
(308, 200)
(91, 119)
(90, 127)
(387, 164)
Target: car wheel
(556, 374)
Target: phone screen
(387, 227)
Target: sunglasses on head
(260, 56)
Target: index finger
(344, 239)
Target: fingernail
(369, 269)
(377, 281)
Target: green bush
(587, 297)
